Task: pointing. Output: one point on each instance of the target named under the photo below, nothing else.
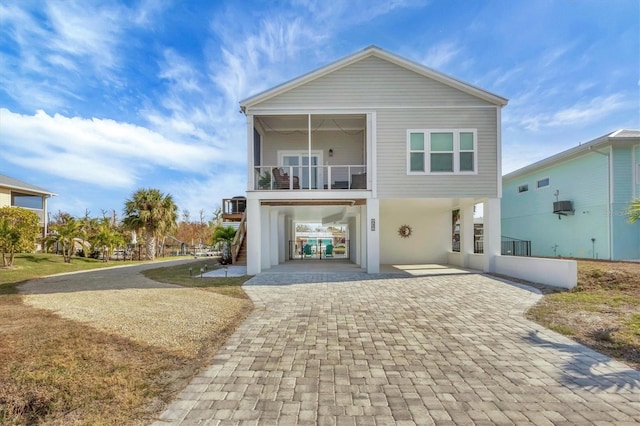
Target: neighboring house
(574, 203)
(16, 193)
(374, 142)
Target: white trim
(499, 150)
(372, 152)
(456, 151)
(381, 54)
(358, 108)
(250, 170)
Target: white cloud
(440, 55)
(584, 111)
(97, 151)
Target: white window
(523, 188)
(441, 151)
(543, 182)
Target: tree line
(149, 220)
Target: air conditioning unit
(564, 208)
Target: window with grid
(441, 151)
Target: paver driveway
(451, 349)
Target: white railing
(343, 177)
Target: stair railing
(236, 244)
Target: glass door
(300, 162)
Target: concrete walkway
(352, 349)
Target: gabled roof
(9, 182)
(382, 54)
(619, 136)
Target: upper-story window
(441, 151)
(543, 182)
(26, 200)
(523, 188)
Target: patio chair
(328, 251)
(307, 250)
(282, 180)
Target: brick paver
(355, 349)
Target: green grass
(30, 266)
(58, 371)
(180, 275)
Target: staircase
(239, 244)
(241, 259)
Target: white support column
(251, 169)
(466, 232)
(353, 240)
(282, 238)
(265, 246)
(275, 238)
(254, 234)
(491, 233)
(362, 237)
(373, 235)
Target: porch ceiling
(315, 213)
(291, 123)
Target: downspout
(610, 201)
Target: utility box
(564, 208)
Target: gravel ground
(123, 301)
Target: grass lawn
(30, 266)
(602, 312)
(58, 371)
(180, 275)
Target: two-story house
(380, 145)
(16, 193)
(574, 203)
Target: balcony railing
(344, 177)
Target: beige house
(381, 145)
(16, 193)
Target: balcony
(233, 208)
(298, 178)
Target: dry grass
(57, 371)
(602, 312)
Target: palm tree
(225, 236)
(634, 210)
(153, 212)
(65, 233)
(106, 238)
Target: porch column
(265, 246)
(362, 236)
(282, 238)
(492, 231)
(466, 233)
(373, 235)
(275, 236)
(254, 234)
(251, 168)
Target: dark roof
(9, 182)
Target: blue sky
(98, 99)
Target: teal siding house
(574, 203)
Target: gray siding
(371, 83)
(393, 181)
